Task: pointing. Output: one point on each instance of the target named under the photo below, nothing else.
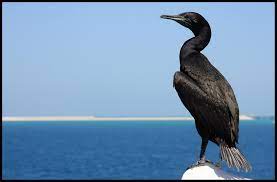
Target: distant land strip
(93, 118)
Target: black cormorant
(206, 93)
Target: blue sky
(118, 59)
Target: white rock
(209, 171)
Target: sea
(123, 149)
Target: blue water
(122, 150)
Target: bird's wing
(233, 109)
(221, 109)
(211, 115)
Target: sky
(118, 59)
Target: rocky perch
(209, 171)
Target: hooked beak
(173, 17)
(180, 19)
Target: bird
(207, 95)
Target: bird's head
(194, 21)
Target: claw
(199, 163)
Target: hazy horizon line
(90, 118)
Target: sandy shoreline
(93, 118)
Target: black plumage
(207, 94)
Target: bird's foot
(200, 163)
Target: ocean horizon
(132, 118)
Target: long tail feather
(234, 158)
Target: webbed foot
(200, 163)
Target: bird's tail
(234, 158)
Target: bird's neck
(197, 43)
